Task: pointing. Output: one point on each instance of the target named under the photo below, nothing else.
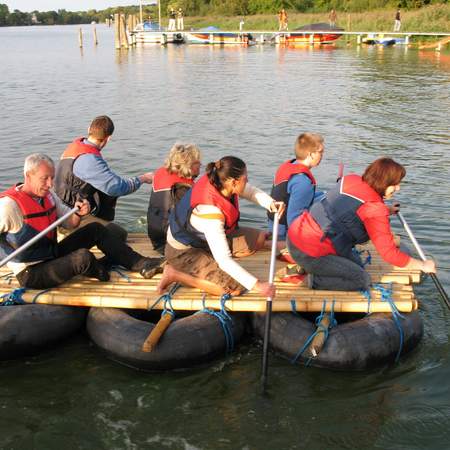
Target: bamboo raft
(130, 290)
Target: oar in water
(423, 258)
(38, 236)
(265, 360)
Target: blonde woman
(170, 183)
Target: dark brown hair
(307, 143)
(101, 127)
(382, 173)
(223, 169)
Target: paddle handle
(411, 236)
(158, 330)
(265, 360)
(433, 276)
(38, 236)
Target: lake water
(250, 102)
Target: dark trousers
(74, 258)
(332, 272)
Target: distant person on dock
(241, 24)
(83, 173)
(294, 184)
(170, 183)
(203, 236)
(282, 20)
(180, 20)
(333, 18)
(322, 240)
(29, 208)
(172, 20)
(397, 21)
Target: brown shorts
(200, 263)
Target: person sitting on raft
(294, 184)
(82, 171)
(170, 183)
(203, 234)
(322, 240)
(29, 208)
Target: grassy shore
(434, 18)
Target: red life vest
(332, 225)
(280, 185)
(78, 148)
(204, 193)
(69, 188)
(162, 200)
(288, 169)
(36, 218)
(164, 180)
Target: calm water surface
(250, 102)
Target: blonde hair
(307, 143)
(180, 159)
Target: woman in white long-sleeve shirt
(203, 235)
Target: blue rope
(366, 294)
(39, 294)
(320, 329)
(294, 307)
(368, 259)
(386, 296)
(13, 298)
(225, 320)
(166, 297)
(121, 274)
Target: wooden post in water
(95, 36)
(349, 25)
(123, 33)
(311, 39)
(80, 37)
(116, 31)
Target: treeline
(204, 8)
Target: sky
(69, 5)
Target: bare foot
(167, 278)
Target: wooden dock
(130, 290)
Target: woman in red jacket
(322, 239)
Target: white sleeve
(11, 219)
(61, 209)
(257, 196)
(214, 232)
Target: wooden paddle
(423, 258)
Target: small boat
(152, 33)
(386, 41)
(213, 35)
(315, 33)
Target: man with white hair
(29, 208)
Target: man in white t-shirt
(29, 208)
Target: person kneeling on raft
(203, 234)
(29, 208)
(322, 240)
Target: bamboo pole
(231, 305)
(80, 37)
(95, 36)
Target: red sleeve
(375, 217)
